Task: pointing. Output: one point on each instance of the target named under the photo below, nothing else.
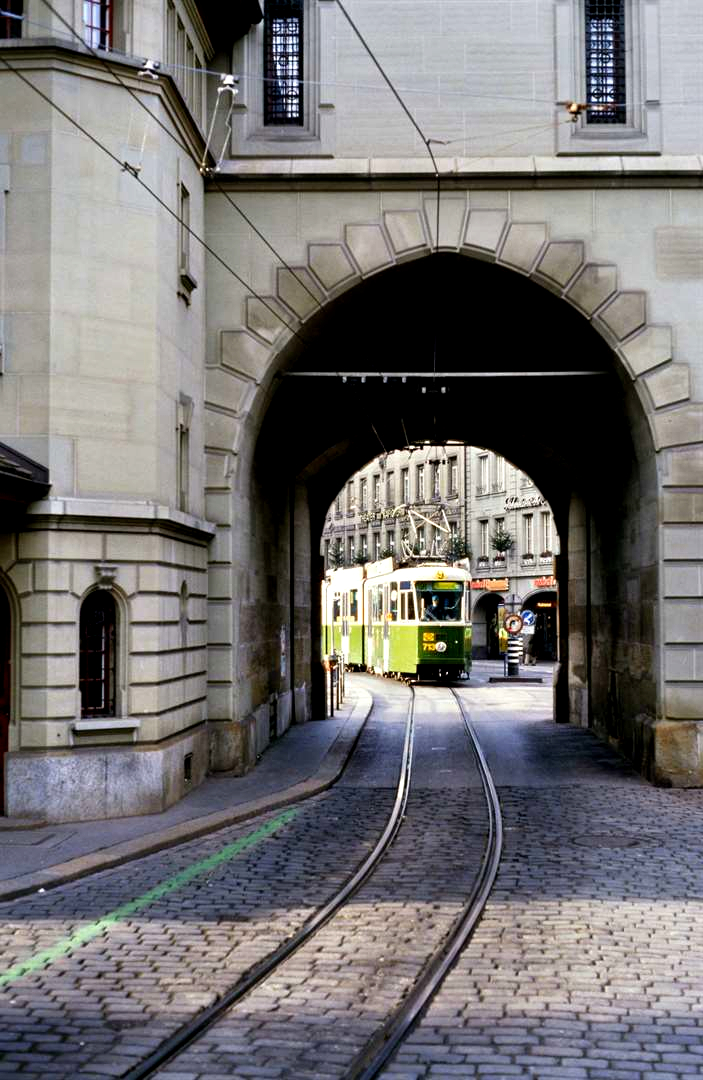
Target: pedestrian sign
(528, 618)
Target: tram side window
(394, 604)
(336, 607)
(354, 604)
(407, 600)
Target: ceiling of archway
(491, 331)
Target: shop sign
(491, 584)
(515, 502)
(545, 582)
(383, 515)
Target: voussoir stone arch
(249, 355)
(561, 266)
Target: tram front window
(439, 601)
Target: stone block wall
(155, 566)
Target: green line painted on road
(101, 926)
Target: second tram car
(411, 621)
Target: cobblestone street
(586, 964)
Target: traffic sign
(513, 624)
(528, 618)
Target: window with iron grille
(9, 27)
(97, 654)
(283, 62)
(605, 61)
(97, 20)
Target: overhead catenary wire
(102, 58)
(406, 90)
(427, 141)
(164, 205)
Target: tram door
(386, 630)
(5, 684)
(345, 626)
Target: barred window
(283, 62)
(97, 654)
(97, 20)
(9, 27)
(605, 61)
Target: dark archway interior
(493, 359)
(451, 314)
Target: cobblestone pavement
(588, 963)
(96, 1010)
(335, 993)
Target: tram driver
(434, 611)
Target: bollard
(513, 655)
(332, 662)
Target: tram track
(375, 1054)
(186, 1035)
(375, 1039)
(369, 1063)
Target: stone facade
(450, 501)
(163, 382)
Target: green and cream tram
(411, 621)
(342, 624)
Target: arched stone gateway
(618, 457)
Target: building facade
(455, 501)
(231, 262)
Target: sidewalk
(305, 761)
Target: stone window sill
(105, 723)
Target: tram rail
(189, 1032)
(372, 1058)
(440, 897)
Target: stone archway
(668, 426)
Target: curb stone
(329, 771)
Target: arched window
(97, 654)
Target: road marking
(92, 930)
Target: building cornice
(53, 54)
(681, 170)
(108, 513)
